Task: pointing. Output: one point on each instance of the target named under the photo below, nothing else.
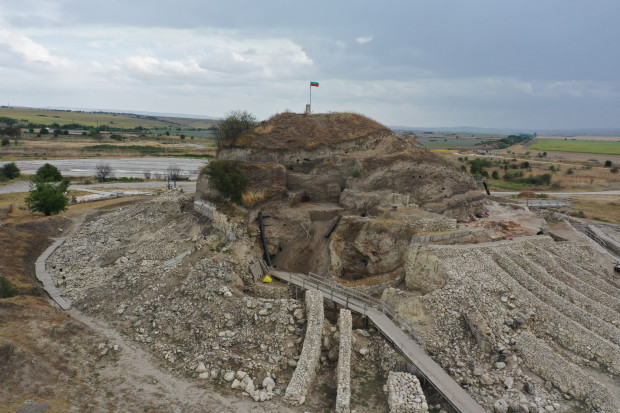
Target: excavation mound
(518, 307)
(347, 159)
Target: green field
(124, 121)
(449, 142)
(600, 147)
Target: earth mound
(347, 159)
(291, 130)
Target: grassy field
(449, 142)
(127, 121)
(603, 208)
(582, 146)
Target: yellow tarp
(267, 279)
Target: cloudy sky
(487, 63)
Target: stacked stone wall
(311, 352)
(343, 395)
(220, 221)
(405, 393)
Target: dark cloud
(482, 62)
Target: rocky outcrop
(308, 362)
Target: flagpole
(310, 97)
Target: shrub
(607, 164)
(236, 124)
(6, 141)
(6, 289)
(495, 175)
(228, 178)
(44, 131)
(614, 170)
(10, 171)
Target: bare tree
(157, 175)
(173, 172)
(147, 174)
(103, 171)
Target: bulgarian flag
(315, 84)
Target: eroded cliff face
(359, 167)
(304, 170)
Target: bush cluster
(9, 171)
(228, 178)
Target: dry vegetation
(309, 131)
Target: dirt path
(140, 382)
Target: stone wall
(343, 395)
(311, 352)
(405, 393)
(220, 221)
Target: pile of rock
(343, 394)
(310, 354)
(132, 267)
(405, 393)
(242, 380)
(546, 309)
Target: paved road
(24, 186)
(121, 167)
(560, 194)
(454, 393)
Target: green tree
(47, 197)
(614, 170)
(236, 124)
(10, 171)
(48, 173)
(495, 175)
(14, 132)
(607, 164)
(44, 131)
(6, 142)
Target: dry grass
(601, 208)
(250, 198)
(291, 130)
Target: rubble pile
(547, 308)
(156, 272)
(405, 393)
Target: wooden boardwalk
(454, 394)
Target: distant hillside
(112, 120)
(511, 131)
(292, 130)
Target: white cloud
(364, 39)
(30, 51)
(149, 65)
